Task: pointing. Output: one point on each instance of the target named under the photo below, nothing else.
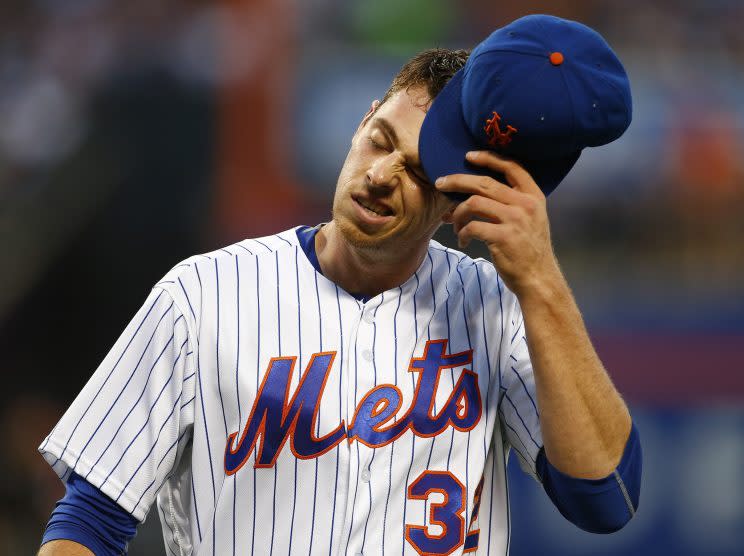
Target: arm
(64, 548)
(585, 423)
(86, 521)
(120, 439)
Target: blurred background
(134, 134)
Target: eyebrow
(414, 164)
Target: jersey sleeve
(126, 429)
(518, 411)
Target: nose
(384, 171)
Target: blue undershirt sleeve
(597, 505)
(89, 517)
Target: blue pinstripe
(356, 486)
(168, 451)
(428, 337)
(187, 297)
(217, 347)
(413, 436)
(493, 468)
(149, 414)
(219, 382)
(196, 508)
(258, 366)
(470, 346)
(134, 405)
(527, 391)
(154, 444)
(488, 354)
(515, 333)
(506, 395)
(452, 350)
(46, 441)
(340, 414)
(263, 244)
(237, 344)
(299, 378)
(488, 364)
(204, 414)
(526, 454)
(279, 340)
(315, 486)
(237, 385)
(392, 446)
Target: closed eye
(380, 140)
(375, 144)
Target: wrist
(543, 288)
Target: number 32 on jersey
(447, 514)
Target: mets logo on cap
(496, 137)
(539, 90)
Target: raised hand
(511, 219)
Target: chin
(358, 239)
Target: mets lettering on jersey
(295, 419)
(264, 410)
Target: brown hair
(431, 68)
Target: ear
(372, 109)
(447, 217)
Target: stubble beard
(355, 237)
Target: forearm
(585, 423)
(64, 548)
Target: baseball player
(356, 387)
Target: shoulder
(471, 272)
(249, 248)
(477, 277)
(186, 280)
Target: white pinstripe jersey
(267, 411)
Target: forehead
(405, 111)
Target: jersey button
(367, 355)
(369, 317)
(365, 475)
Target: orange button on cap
(556, 58)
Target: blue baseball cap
(538, 91)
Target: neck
(366, 272)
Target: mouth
(372, 208)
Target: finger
(477, 229)
(478, 207)
(516, 176)
(470, 184)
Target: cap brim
(445, 138)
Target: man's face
(383, 199)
